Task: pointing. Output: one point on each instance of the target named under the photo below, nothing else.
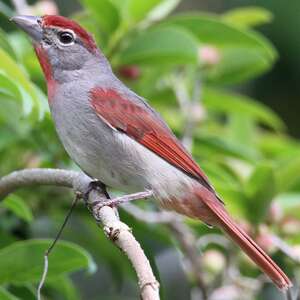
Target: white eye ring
(66, 37)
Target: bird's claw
(94, 185)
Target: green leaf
(211, 29)
(6, 10)
(241, 129)
(65, 287)
(14, 91)
(162, 45)
(18, 207)
(134, 11)
(138, 10)
(5, 295)
(9, 87)
(220, 173)
(260, 190)
(290, 203)
(5, 44)
(24, 292)
(229, 103)
(122, 7)
(238, 64)
(12, 70)
(278, 146)
(233, 197)
(23, 262)
(288, 173)
(13, 98)
(248, 16)
(162, 10)
(6, 237)
(222, 145)
(104, 12)
(248, 52)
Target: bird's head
(61, 44)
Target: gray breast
(99, 150)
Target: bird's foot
(123, 199)
(95, 185)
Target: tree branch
(118, 232)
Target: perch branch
(118, 232)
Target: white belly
(122, 163)
(114, 158)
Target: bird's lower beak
(31, 25)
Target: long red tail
(221, 217)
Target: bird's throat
(47, 70)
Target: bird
(115, 136)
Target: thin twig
(187, 106)
(181, 93)
(183, 234)
(118, 232)
(48, 251)
(191, 120)
(43, 279)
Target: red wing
(145, 127)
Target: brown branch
(118, 232)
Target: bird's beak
(31, 25)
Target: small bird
(116, 137)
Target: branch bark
(118, 232)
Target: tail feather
(245, 242)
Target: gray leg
(127, 198)
(95, 185)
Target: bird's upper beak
(31, 25)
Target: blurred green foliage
(240, 143)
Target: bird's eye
(66, 37)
